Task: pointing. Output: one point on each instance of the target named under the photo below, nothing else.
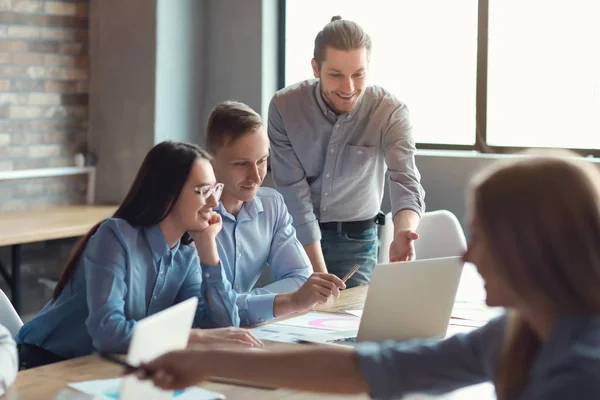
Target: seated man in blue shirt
(257, 228)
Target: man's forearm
(406, 219)
(315, 255)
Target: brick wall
(43, 120)
(43, 98)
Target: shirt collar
(327, 110)
(157, 242)
(250, 210)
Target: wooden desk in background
(36, 226)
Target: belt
(348, 227)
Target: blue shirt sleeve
(216, 300)
(393, 370)
(289, 265)
(105, 262)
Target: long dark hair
(151, 198)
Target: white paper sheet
(324, 321)
(475, 311)
(283, 333)
(109, 389)
(356, 313)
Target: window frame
(480, 145)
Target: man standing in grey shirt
(331, 140)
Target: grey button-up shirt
(566, 367)
(331, 167)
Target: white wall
(180, 77)
(446, 175)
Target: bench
(18, 228)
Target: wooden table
(36, 226)
(45, 382)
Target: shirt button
(239, 255)
(324, 208)
(337, 125)
(207, 275)
(261, 319)
(154, 297)
(360, 152)
(326, 194)
(331, 150)
(237, 286)
(327, 175)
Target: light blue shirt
(567, 366)
(261, 235)
(126, 274)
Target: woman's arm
(216, 299)
(105, 265)
(206, 280)
(387, 370)
(312, 368)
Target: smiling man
(257, 228)
(331, 140)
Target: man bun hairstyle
(340, 34)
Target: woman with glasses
(139, 262)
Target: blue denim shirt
(126, 274)
(261, 235)
(566, 367)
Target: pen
(350, 273)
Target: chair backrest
(9, 316)
(440, 235)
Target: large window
(533, 79)
(544, 73)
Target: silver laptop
(405, 300)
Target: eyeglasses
(207, 191)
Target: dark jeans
(31, 356)
(342, 250)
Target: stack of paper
(473, 313)
(298, 328)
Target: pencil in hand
(350, 273)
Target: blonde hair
(540, 216)
(229, 121)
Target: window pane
(544, 73)
(424, 51)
